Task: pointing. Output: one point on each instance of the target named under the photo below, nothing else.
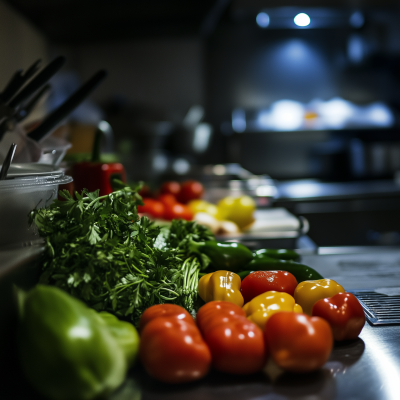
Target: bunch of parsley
(100, 251)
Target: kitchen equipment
(17, 81)
(27, 187)
(7, 162)
(232, 180)
(9, 123)
(67, 107)
(36, 83)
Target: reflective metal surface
(367, 368)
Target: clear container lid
(37, 180)
(18, 170)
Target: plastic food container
(32, 186)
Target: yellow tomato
(197, 206)
(237, 209)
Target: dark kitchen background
(307, 94)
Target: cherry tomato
(190, 190)
(145, 191)
(236, 344)
(259, 282)
(178, 211)
(173, 350)
(171, 187)
(344, 314)
(167, 199)
(297, 342)
(152, 207)
(164, 310)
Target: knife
(67, 107)
(17, 81)
(37, 82)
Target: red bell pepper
(259, 282)
(94, 174)
(344, 314)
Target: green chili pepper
(300, 271)
(229, 256)
(69, 351)
(243, 274)
(281, 254)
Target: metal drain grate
(380, 309)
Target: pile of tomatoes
(171, 202)
(176, 348)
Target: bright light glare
(302, 19)
(262, 19)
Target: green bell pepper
(280, 254)
(69, 351)
(229, 256)
(300, 271)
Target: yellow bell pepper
(307, 293)
(266, 304)
(221, 285)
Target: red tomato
(344, 314)
(297, 342)
(152, 207)
(178, 211)
(167, 199)
(236, 344)
(217, 309)
(145, 191)
(173, 351)
(190, 190)
(259, 282)
(171, 187)
(164, 310)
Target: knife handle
(67, 107)
(36, 83)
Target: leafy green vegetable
(99, 250)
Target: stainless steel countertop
(309, 189)
(365, 369)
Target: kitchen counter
(367, 368)
(345, 213)
(309, 189)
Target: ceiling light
(262, 19)
(302, 19)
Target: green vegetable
(280, 254)
(230, 256)
(100, 251)
(68, 351)
(300, 271)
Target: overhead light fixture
(262, 19)
(302, 20)
(357, 19)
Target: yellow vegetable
(221, 285)
(237, 209)
(266, 304)
(197, 206)
(307, 293)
